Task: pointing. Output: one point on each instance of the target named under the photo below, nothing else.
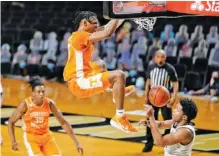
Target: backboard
(159, 9)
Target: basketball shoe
(123, 124)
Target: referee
(163, 74)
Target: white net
(145, 23)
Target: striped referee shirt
(162, 76)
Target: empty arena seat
(201, 65)
(32, 69)
(5, 68)
(172, 60)
(26, 34)
(181, 70)
(192, 80)
(7, 38)
(211, 46)
(187, 61)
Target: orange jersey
(36, 119)
(79, 56)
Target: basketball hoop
(145, 23)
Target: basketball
(159, 96)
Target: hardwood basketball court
(90, 120)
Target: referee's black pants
(167, 115)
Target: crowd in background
(128, 49)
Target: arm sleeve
(80, 40)
(173, 75)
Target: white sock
(120, 112)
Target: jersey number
(39, 120)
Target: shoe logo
(210, 6)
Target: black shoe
(147, 148)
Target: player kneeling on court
(35, 112)
(182, 135)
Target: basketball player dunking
(182, 135)
(86, 78)
(35, 112)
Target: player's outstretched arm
(160, 124)
(17, 114)
(106, 31)
(164, 124)
(182, 135)
(65, 125)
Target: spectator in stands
(48, 68)
(125, 30)
(64, 43)
(48, 71)
(36, 44)
(182, 36)
(212, 36)
(154, 47)
(5, 53)
(34, 58)
(33, 61)
(170, 48)
(105, 43)
(136, 34)
(197, 35)
(20, 61)
(185, 51)
(149, 35)
(132, 77)
(61, 61)
(139, 48)
(62, 58)
(201, 50)
(51, 44)
(140, 83)
(214, 56)
(167, 33)
(110, 44)
(110, 59)
(212, 88)
(124, 50)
